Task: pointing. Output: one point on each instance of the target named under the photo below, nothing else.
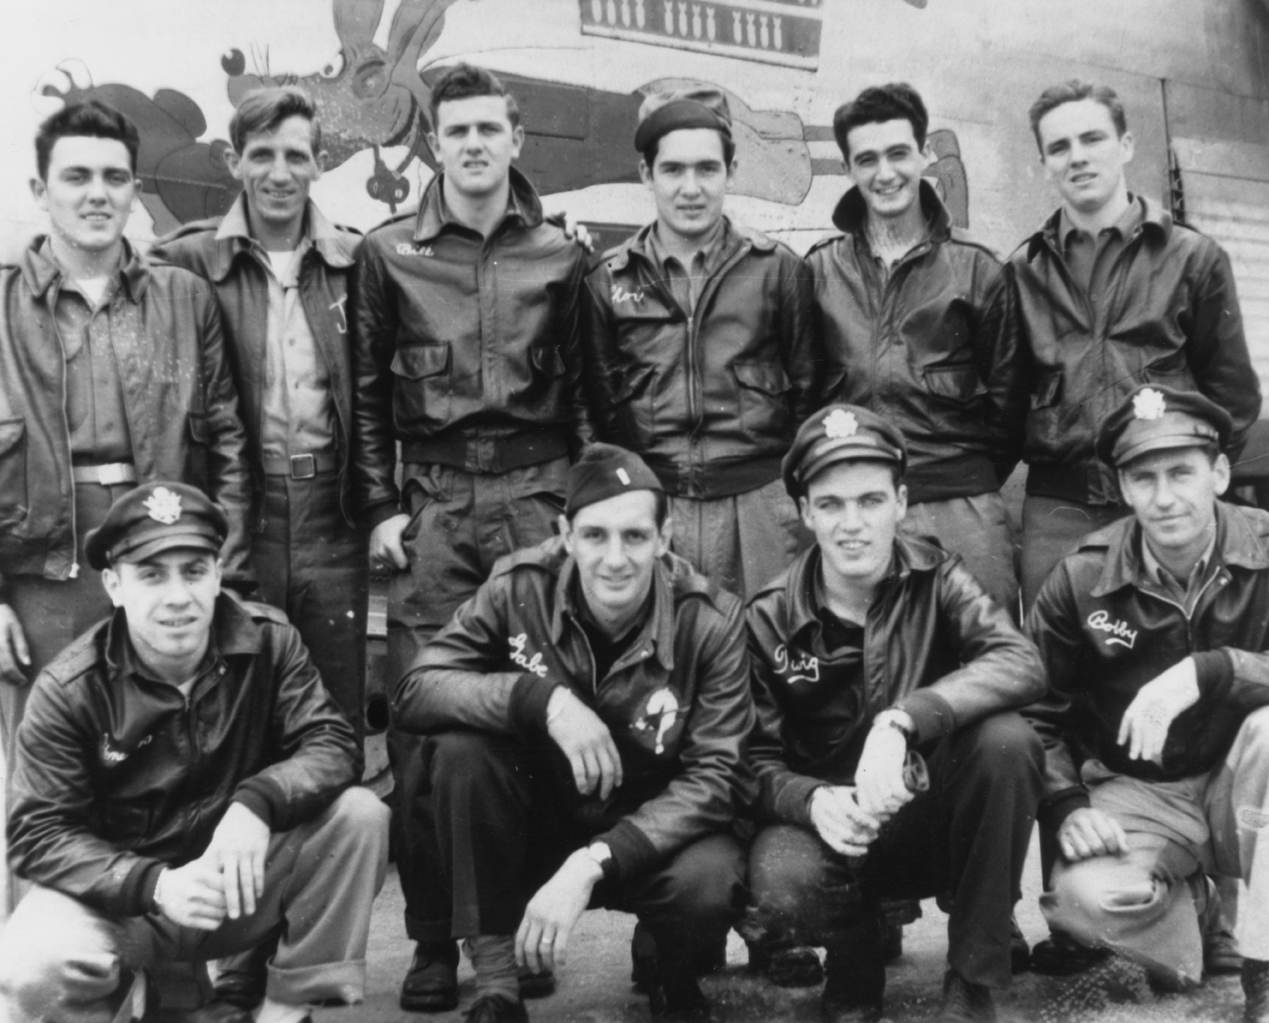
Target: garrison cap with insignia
(603, 471)
(1155, 418)
(837, 434)
(156, 517)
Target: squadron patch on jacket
(658, 717)
(112, 755)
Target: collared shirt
(299, 410)
(1089, 258)
(94, 390)
(687, 282)
(1185, 592)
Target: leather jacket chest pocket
(957, 385)
(548, 366)
(634, 390)
(762, 397)
(422, 388)
(13, 494)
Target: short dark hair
(1072, 91)
(265, 109)
(660, 513)
(893, 101)
(91, 118)
(650, 154)
(463, 81)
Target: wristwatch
(899, 720)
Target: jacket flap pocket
(198, 422)
(418, 361)
(761, 376)
(1048, 390)
(547, 360)
(959, 381)
(631, 381)
(11, 433)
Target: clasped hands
(848, 818)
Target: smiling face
(88, 195)
(854, 510)
(474, 143)
(886, 164)
(1084, 155)
(169, 600)
(689, 181)
(277, 169)
(1173, 494)
(616, 544)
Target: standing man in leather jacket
(584, 720)
(467, 353)
(183, 789)
(283, 276)
(112, 371)
(901, 298)
(874, 647)
(1109, 294)
(1156, 725)
(701, 351)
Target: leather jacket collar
(41, 269)
(737, 237)
(233, 632)
(851, 213)
(1155, 220)
(434, 217)
(233, 238)
(1236, 544)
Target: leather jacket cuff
(1214, 670)
(381, 513)
(930, 713)
(1057, 807)
(251, 794)
(632, 852)
(793, 803)
(137, 893)
(529, 697)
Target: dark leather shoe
(431, 983)
(497, 1008)
(855, 976)
(964, 1002)
(682, 1003)
(1255, 976)
(798, 966)
(215, 1011)
(1059, 956)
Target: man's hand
(840, 822)
(575, 230)
(1144, 726)
(237, 853)
(386, 549)
(14, 653)
(879, 787)
(551, 915)
(1087, 832)
(586, 741)
(191, 896)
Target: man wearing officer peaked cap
(152, 809)
(1156, 735)
(889, 760)
(583, 721)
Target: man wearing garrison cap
(1155, 633)
(873, 648)
(584, 718)
(182, 790)
(700, 350)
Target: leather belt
(107, 475)
(300, 467)
(513, 452)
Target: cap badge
(164, 506)
(839, 423)
(1149, 404)
(623, 476)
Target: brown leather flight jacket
(1105, 629)
(177, 393)
(466, 348)
(712, 401)
(935, 645)
(119, 775)
(326, 293)
(913, 347)
(1170, 316)
(676, 702)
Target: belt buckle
(113, 473)
(303, 467)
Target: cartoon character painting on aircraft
(373, 98)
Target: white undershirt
(93, 288)
(281, 262)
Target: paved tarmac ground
(595, 985)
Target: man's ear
(233, 161)
(804, 509)
(901, 501)
(39, 189)
(1221, 468)
(1127, 145)
(517, 140)
(219, 572)
(434, 144)
(665, 535)
(645, 173)
(566, 532)
(114, 586)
